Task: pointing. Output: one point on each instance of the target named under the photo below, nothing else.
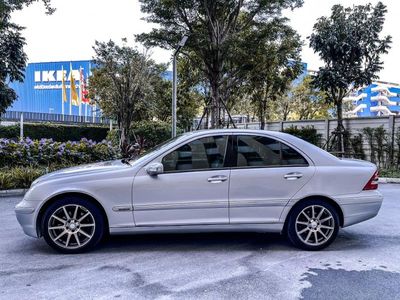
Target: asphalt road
(363, 263)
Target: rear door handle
(293, 176)
(217, 179)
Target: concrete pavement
(363, 263)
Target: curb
(11, 193)
(389, 180)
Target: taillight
(372, 184)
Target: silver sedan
(215, 180)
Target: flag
(64, 87)
(74, 94)
(84, 91)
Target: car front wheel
(313, 225)
(73, 225)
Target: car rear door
(266, 174)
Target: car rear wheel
(73, 225)
(313, 225)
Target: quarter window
(260, 151)
(204, 153)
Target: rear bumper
(360, 207)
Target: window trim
(228, 138)
(234, 166)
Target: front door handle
(293, 176)
(217, 179)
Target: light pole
(174, 82)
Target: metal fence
(33, 117)
(391, 124)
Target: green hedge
(308, 133)
(57, 132)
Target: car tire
(313, 225)
(73, 225)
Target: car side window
(200, 154)
(261, 151)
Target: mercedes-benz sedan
(215, 180)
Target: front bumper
(360, 207)
(25, 213)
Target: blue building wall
(366, 112)
(41, 90)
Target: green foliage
(58, 132)
(273, 62)
(19, 177)
(349, 44)
(123, 84)
(356, 143)
(302, 102)
(46, 152)
(12, 55)
(151, 133)
(308, 133)
(219, 34)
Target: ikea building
(41, 91)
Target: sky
(70, 32)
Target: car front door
(266, 174)
(192, 190)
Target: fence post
(327, 132)
(391, 138)
(281, 126)
(111, 125)
(21, 126)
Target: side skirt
(275, 227)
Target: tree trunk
(125, 139)
(340, 128)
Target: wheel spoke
(303, 230)
(68, 238)
(56, 227)
(316, 237)
(313, 212)
(60, 235)
(326, 227)
(308, 218)
(75, 212)
(302, 223)
(326, 219)
(77, 239)
(84, 216)
(66, 213)
(320, 213)
(323, 234)
(87, 225)
(308, 236)
(58, 219)
(84, 233)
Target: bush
(58, 132)
(149, 134)
(308, 133)
(46, 152)
(19, 177)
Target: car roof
(316, 154)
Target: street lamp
(174, 82)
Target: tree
(189, 96)
(215, 29)
(350, 46)
(121, 83)
(275, 63)
(12, 55)
(302, 102)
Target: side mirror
(154, 169)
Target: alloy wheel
(314, 225)
(71, 226)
